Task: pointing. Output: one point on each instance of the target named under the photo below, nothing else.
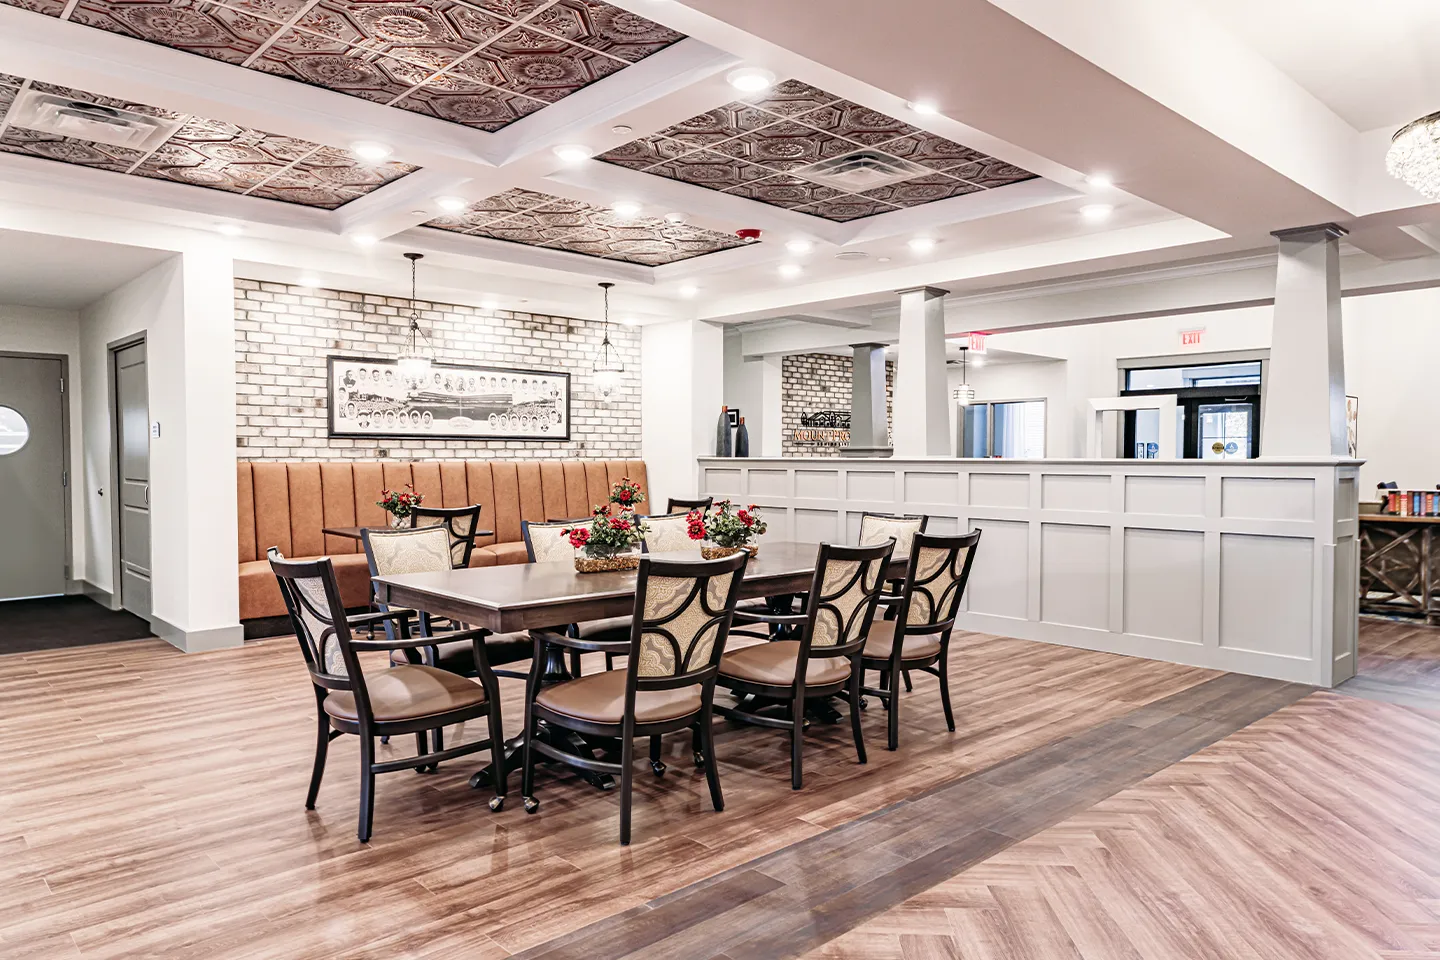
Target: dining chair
(678, 632)
(407, 699)
(919, 636)
(460, 522)
(669, 532)
(876, 528)
(824, 660)
(430, 549)
(677, 506)
(543, 544)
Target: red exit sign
(1191, 338)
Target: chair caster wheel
(699, 760)
(477, 780)
(658, 768)
(864, 703)
(531, 804)
(497, 804)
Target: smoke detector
(861, 170)
(92, 122)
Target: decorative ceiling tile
(791, 97)
(928, 150)
(855, 122)
(713, 170)
(600, 26)
(912, 193)
(10, 80)
(378, 50)
(991, 173)
(785, 191)
(785, 146)
(219, 33)
(212, 154)
(645, 152)
(482, 108)
(555, 223)
(720, 124)
(538, 65)
(845, 208)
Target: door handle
(147, 494)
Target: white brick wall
(811, 382)
(284, 333)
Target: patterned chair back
(543, 543)
(461, 522)
(876, 528)
(843, 595)
(935, 581)
(417, 550)
(312, 596)
(669, 532)
(682, 619)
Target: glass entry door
(1227, 430)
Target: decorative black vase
(742, 440)
(722, 434)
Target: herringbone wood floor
(1313, 834)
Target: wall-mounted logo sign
(1192, 338)
(824, 428)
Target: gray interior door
(132, 452)
(32, 467)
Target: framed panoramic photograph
(370, 397)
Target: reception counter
(1245, 566)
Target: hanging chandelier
(964, 394)
(607, 366)
(415, 358)
(1414, 155)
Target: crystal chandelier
(607, 367)
(414, 359)
(1414, 155)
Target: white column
(922, 417)
(682, 379)
(868, 435)
(772, 433)
(1305, 390)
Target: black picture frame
(733, 415)
(483, 429)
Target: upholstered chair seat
(600, 698)
(408, 693)
(776, 662)
(879, 644)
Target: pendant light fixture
(964, 394)
(607, 367)
(1414, 155)
(415, 357)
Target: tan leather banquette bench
(286, 505)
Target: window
(1012, 429)
(1179, 378)
(14, 431)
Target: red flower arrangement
(611, 531)
(400, 503)
(627, 493)
(725, 526)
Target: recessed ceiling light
(489, 305)
(452, 204)
(750, 79)
(625, 208)
(789, 270)
(419, 213)
(309, 280)
(1096, 212)
(689, 290)
(1100, 181)
(674, 218)
(231, 229)
(364, 239)
(922, 244)
(370, 151)
(798, 246)
(622, 129)
(923, 106)
(573, 152)
(882, 259)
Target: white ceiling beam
(427, 239)
(399, 204)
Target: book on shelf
(1412, 503)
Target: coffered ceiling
(203, 153)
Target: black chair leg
(322, 749)
(575, 663)
(797, 730)
(437, 739)
(498, 773)
(656, 765)
(856, 680)
(367, 786)
(527, 764)
(627, 772)
(894, 718)
(422, 747)
(697, 746)
(945, 690)
(909, 687)
(885, 685)
(706, 730)
(609, 661)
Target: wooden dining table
(525, 596)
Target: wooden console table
(1397, 566)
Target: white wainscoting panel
(1248, 566)
(1165, 584)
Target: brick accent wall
(811, 382)
(284, 333)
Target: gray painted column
(869, 433)
(922, 414)
(1305, 390)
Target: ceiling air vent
(861, 170)
(81, 120)
(852, 255)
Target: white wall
(36, 330)
(681, 385)
(185, 308)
